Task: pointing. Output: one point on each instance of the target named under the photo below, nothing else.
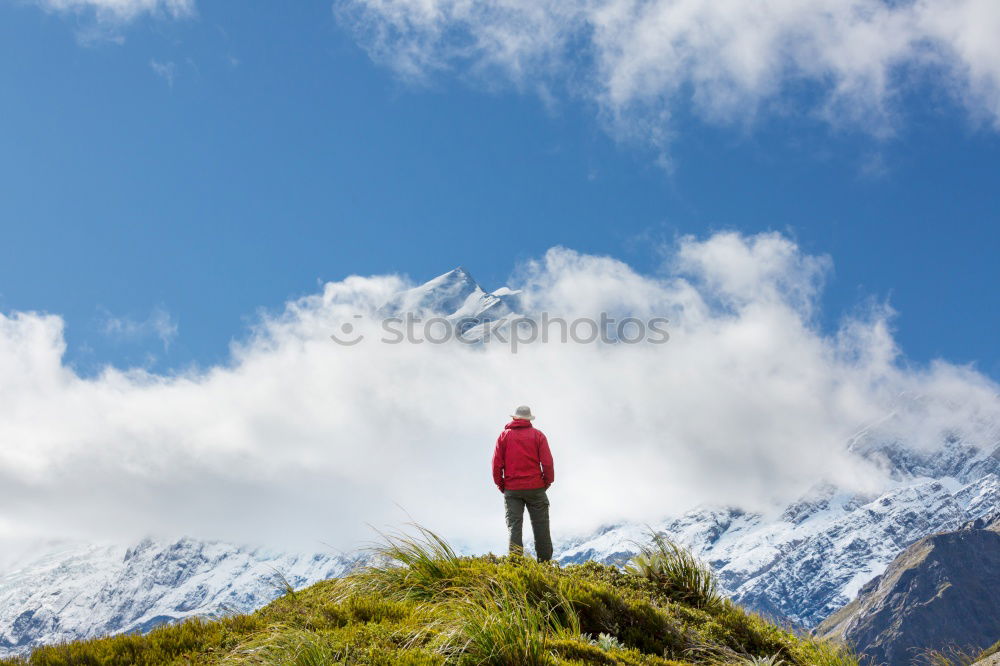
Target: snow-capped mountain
(454, 296)
(812, 558)
(67, 591)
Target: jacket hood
(519, 423)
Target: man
(523, 471)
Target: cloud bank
(640, 61)
(299, 440)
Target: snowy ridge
(75, 590)
(811, 558)
(816, 555)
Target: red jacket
(522, 460)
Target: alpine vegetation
(424, 604)
(671, 567)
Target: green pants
(538, 510)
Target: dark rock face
(942, 591)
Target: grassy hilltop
(426, 605)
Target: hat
(523, 412)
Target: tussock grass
(418, 566)
(422, 605)
(990, 651)
(500, 624)
(679, 573)
(718, 655)
(950, 656)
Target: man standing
(523, 471)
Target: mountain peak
(455, 295)
(457, 275)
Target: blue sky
(209, 164)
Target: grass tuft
(499, 623)
(990, 651)
(676, 571)
(950, 656)
(418, 566)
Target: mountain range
(813, 557)
(63, 591)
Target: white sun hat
(523, 412)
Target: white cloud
(122, 10)
(641, 60)
(158, 324)
(300, 439)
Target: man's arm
(498, 457)
(545, 458)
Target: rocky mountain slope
(940, 592)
